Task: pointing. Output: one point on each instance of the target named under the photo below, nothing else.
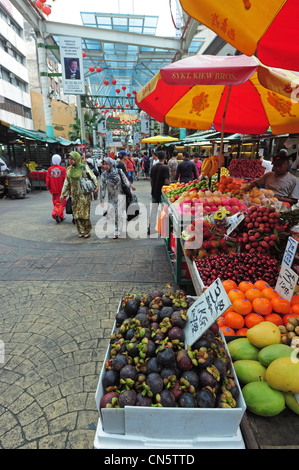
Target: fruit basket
(189, 425)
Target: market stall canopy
(10, 131)
(201, 90)
(159, 139)
(269, 28)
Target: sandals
(86, 235)
(81, 235)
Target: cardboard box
(175, 423)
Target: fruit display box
(175, 423)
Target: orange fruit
(287, 316)
(245, 285)
(221, 321)
(269, 293)
(235, 294)
(242, 332)
(274, 318)
(228, 285)
(260, 284)
(295, 309)
(262, 305)
(281, 305)
(295, 299)
(227, 331)
(251, 294)
(242, 306)
(253, 319)
(234, 320)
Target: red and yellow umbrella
(269, 28)
(235, 93)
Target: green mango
(272, 352)
(263, 400)
(291, 402)
(249, 371)
(241, 348)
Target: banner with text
(72, 65)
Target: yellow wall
(62, 114)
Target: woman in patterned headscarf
(111, 183)
(80, 201)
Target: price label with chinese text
(289, 252)
(286, 282)
(205, 310)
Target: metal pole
(44, 81)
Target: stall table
(38, 179)
(276, 432)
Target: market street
(59, 296)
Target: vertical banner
(72, 65)
(136, 138)
(102, 127)
(109, 139)
(144, 125)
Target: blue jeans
(131, 176)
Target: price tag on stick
(286, 282)
(205, 310)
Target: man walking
(186, 170)
(172, 165)
(159, 177)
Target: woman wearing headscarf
(112, 184)
(54, 180)
(80, 201)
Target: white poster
(109, 139)
(136, 138)
(102, 127)
(144, 124)
(72, 65)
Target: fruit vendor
(280, 180)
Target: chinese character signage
(72, 65)
(205, 310)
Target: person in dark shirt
(186, 170)
(159, 177)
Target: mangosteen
(209, 377)
(179, 318)
(128, 375)
(154, 326)
(176, 389)
(127, 398)
(165, 312)
(166, 357)
(154, 382)
(202, 342)
(146, 348)
(202, 357)
(143, 319)
(168, 375)
(220, 365)
(121, 316)
(189, 381)
(142, 332)
(130, 334)
(158, 336)
(132, 348)
(110, 379)
(166, 301)
(183, 360)
(143, 400)
(176, 334)
(230, 384)
(156, 303)
(132, 307)
(156, 293)
(186, 400)
(153, 365)
(214, 328)
(206, 398)
(166, 398)
(226, 400)
(109, 400)
(119, 361)
(154, 315)
(143, 309)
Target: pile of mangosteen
(149, 364)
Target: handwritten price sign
(286, 282)
(205, 310)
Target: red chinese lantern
(106, 82)
(99, 69)
(131, 107)
(124, 87)
(91, 69)
(114, 81)
(128, 95)
(96, 104)
(103, 106)
(46, 10)
(117, 90)
(39, 4)
(127, 105)
(118, 107)
(134, 92)
(84, 54)
(43, 1)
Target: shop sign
(211, 304)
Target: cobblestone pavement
(58, 299)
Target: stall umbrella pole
(222, 129)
